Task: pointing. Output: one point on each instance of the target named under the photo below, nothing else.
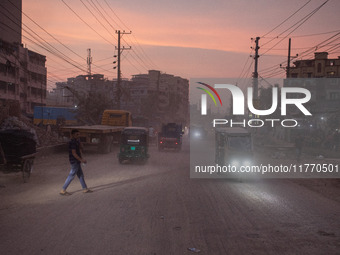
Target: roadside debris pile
(13, 123)
(41, 136)
(11, 118)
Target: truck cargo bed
(103, 129)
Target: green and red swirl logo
(204, 96)
(209, 93)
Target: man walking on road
(75, 157)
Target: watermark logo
(238, 99)
(204, 97)
(298, 97)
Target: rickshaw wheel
(26, 169)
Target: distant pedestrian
(75, 157)
(298, 146)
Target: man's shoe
(87, 191)
(64, 193)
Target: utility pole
(89, 61)
(120, 50)
(255, 74)
(288, 61)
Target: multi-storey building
(153, 98)
(321, 76)
(68, 93)
(22, 71)
(157, 97)
(319, 67)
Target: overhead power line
(87, 23)
(139, 47)
(96, 9)
(46, 47)
(48, 33)
(307, 35)
(39, 41)
(101, 14)
(263, 36)
(272, 70)
(110, 33)
(297, 24)
(57, 40)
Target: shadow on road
(120, 183)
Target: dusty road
(157, 209)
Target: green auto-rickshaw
(134, 144)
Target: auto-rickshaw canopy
(135, 136)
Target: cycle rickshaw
(17, 152)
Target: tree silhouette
(91, 107)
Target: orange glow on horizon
(204, 38)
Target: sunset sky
(191, 38)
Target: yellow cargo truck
(105, 134)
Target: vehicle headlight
(197, 134)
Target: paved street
(157, 209)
